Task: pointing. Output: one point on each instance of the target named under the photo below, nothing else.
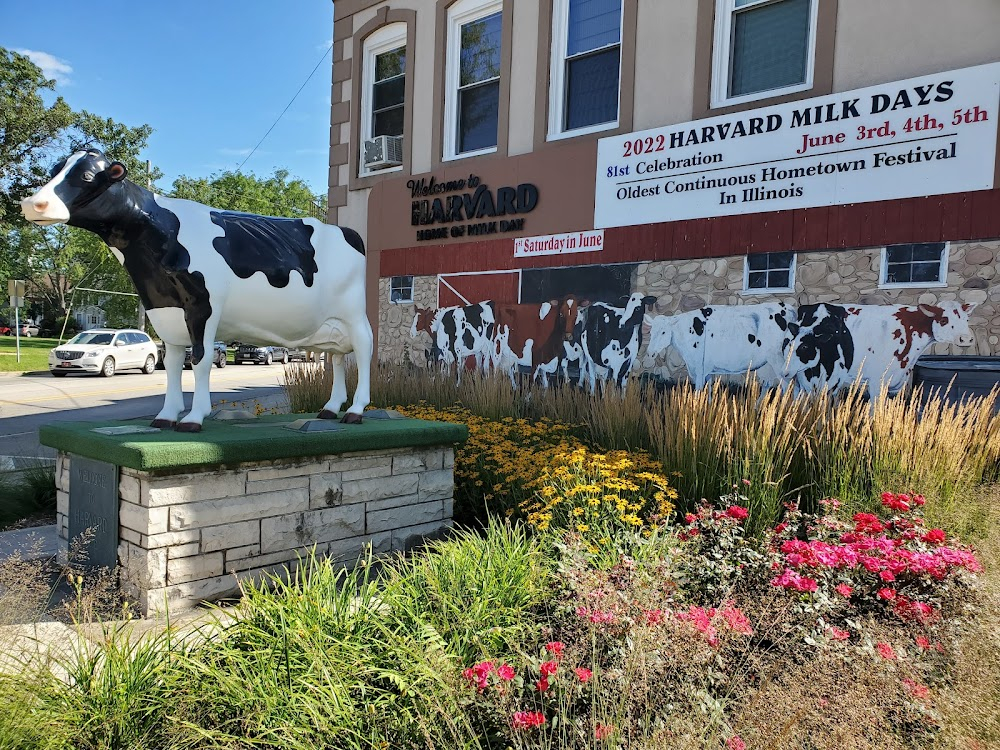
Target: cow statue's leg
(363, 342)
(173, 403)
(201, 402)
(338, 395)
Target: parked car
(104, 351)
(260, 354)
(29, 329)
(5, 329)
(300, 355)
(218, 355)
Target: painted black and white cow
(606, 340)
(878, 345)
(205, 274)
(458, 333)
(726, 340)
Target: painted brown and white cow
(532, 336)
(878, 345)
(726, 340)
(204, 274)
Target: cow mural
(878, 345)
(726, 340)
(205, 274)
(813, 346)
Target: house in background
(90, 316)
(701, 152)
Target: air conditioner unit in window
(384, 151)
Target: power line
(308, 78)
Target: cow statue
(726, 339)
(204, 274)
(878, 345)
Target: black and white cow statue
(205, 274)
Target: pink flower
(839, 635)
(887, 576)
(555, 648)
(918, 499)
(527, 719)
(542, 684)
(736, 620)
(885, 651)
(736, 743)
(918, 691)
(923, 642)
(505, 672)
(843, 589)
(690, 518)
(738, 512)
(479, 674)
(896, 502)
(792, 580)
(583, 674)
(602, 731)
(548, 668)
(603, 618)
(780, 527)
(887, 594)
(654, 616)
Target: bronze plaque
(93, 512)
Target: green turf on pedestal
(262, 439)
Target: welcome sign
(931, 135)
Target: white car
(104, 351)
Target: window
(401, 289)
(472, 99)
(586, 66)
(607, 283)
(769, 272)
(919, 264)
(762, 48)
(93, 320)
(383, 90)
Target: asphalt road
(33, 399)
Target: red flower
(542, 685)
(780, 527)
(736, 743)
(885, 651)
(505, 672)
(654, 616)
(887, 594)
(887, 576)
(690, 517)
(478, 674)
(527, 719)
(839, 635)
(736, 619)
(843, 589)
(555, 647)
(923, 642)
(583, 674)
(738, 512)
(602, 731)
(918, 691)
(896, 502)
(934, 536)
(548, 668)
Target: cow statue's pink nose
(40, 205)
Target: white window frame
(459, 14)
(771, 289)
(722, 55)
(386, 39)
(557, 75)
(942, 274)
(401, 301)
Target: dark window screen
(612, 284)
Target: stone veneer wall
(184, 538)
(848, 276)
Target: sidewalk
(33, 543)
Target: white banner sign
(926, 136)
(559, 244)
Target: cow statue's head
(74, 183)
(950, 322)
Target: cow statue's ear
(116, 172)
(929, 311)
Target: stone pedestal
(191, 529)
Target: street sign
(15, 290)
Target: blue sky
(210, 77)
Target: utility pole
(142, 310)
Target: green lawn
(34, 354)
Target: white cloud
(52, 66)
(234, 151)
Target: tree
(33, 135)
(235, 191)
